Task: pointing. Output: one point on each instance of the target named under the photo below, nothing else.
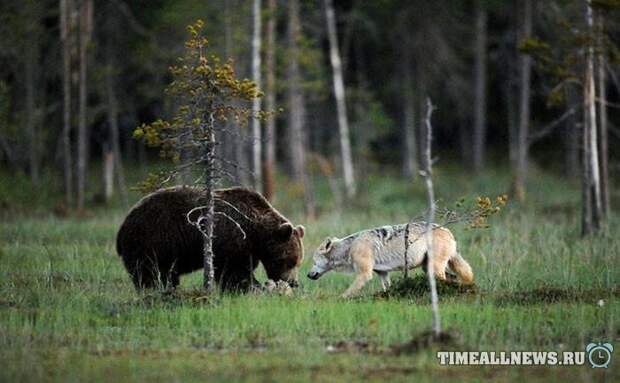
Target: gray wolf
(381, 250)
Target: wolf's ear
(284, 232)
(328, 245)
(301, 231)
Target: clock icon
(599, 354)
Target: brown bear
(158, 244)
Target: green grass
(68, 311)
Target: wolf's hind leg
(384, 276)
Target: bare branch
(233, 221)
(234, 208)
(547, 129)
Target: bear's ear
(284, 232)
(301, 231)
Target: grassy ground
(69, 313)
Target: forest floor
(68, 311)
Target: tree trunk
(256, 76)
(591, 193)
(270, 104)
(209, 211)
(83, 136)
(603, 120)
(296, 113)
(229, 141)
(524, 106)
(572, 139)
(31, 120)
(236, 142)
(66, 6)
(428, 180)
(112, 113)
(510, 91)
(108, 171)
(410, 163)
(511, 117)
(480, 101)
(339, 92)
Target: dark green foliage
(206, 93)
(550, 295)
(417, 287)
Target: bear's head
(284, 252)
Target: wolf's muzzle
(314, 275)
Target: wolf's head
(332, 254)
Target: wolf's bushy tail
(461, 268)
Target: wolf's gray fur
(382, 250)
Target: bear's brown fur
(157, 244)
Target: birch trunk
(339, 93)
(295, 97)
(603, 119)
(256, 76)
(65, 8)
(428, 180)
(270, 104)
(480, 100)
(524, 106)
(591, 194)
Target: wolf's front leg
(363, 261)
(360, 280)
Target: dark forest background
(507, 78)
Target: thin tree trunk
(511, 117)
(270, 104)
(509, 90)
(572, 139)
(480, 100)
(108, 171)
(229, 141)
(410, 165)
(603, 120)
(256, 76)
(591, 178)
(295, 96)
(113, 125)
(428, 180)
(83, 136)
(237, 141)
(65, 7)
(31, 120)
(524, 106)
(209, 211)
(339, 92)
